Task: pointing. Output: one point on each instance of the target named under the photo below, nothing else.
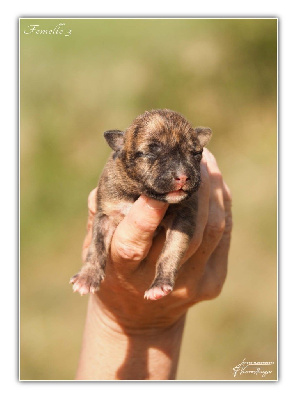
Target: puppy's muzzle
(180, 181)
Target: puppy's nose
(181, 179)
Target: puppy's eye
(197, 153)
(154, 147)
(151, 151)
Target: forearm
(111, 353)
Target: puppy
(159, 156)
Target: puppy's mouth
(176, 196)
(173, 196)
(175, 192)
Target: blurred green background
(220, 73)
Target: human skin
(127, 337)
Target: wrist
(131, 318)
(113, 350)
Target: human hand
(134, 251)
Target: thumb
(133, 237)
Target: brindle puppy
(159, 156)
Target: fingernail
(154, 204)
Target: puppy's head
(161, 153)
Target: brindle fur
(147, 157)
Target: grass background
(217, 72)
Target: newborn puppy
(159, 156)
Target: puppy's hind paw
(157, 292)
(84, 283)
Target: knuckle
(130, 252)
(212, 284)
(145, 226)
(213, 290)
(228, 196)
(227, 192)
(215, 229)
(216, 290)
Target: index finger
(133, 236)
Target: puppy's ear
(204, 135)
(115, 139)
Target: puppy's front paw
(87, 282)
(157, 292)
